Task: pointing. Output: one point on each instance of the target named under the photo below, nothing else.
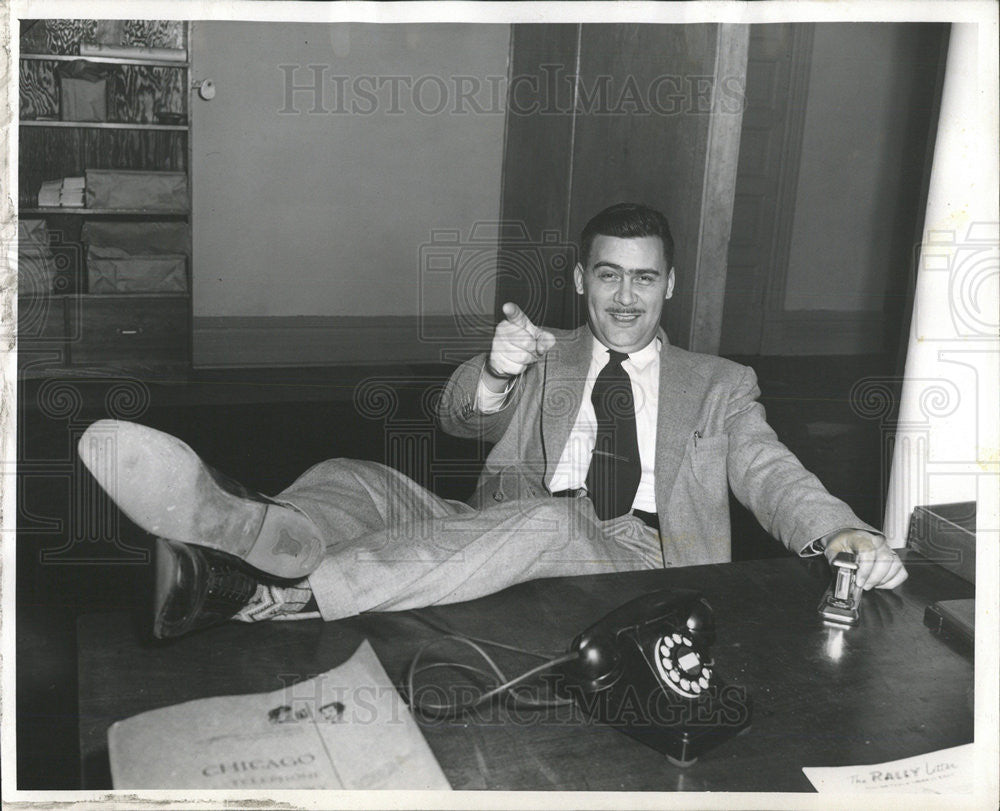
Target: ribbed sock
(272, 602)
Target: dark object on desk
(645, 670)
(842, 601)
(955, 620)
(946, 535)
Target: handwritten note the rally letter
(948, 771)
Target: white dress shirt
(643, 368)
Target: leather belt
(651, 520)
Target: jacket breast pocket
(708, 457)
(510, 484)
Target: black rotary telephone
(645, 670)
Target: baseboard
(238, 341)
(823, 332)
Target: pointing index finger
(517, 317)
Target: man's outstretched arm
(790, 502)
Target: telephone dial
(645, 669)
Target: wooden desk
(884, 690)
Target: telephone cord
(506, 684)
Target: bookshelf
(102, 60)
(107, 125)
(66, 328)
(158, 214)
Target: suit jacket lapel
(681, 394)
(682, 391)
(566, 367)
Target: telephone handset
(645, 669)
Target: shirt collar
(637, 360)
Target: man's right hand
(517, 344)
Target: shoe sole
(163, 486)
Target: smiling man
(625, 284)
(612, 450)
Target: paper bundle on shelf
(67, 192)
(48, 195)
(134, 189)
(136, 257)
(72, 191)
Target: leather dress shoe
(196, 588)
(165, 488)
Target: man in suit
(613, 450)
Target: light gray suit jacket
(710, 431)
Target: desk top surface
(883, 690)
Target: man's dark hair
(627, 220)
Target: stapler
(841, 603)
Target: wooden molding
(722, 155)
(823, 332)
(788, 180)
(537, 175)
(233, 342)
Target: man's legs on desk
(393, 545)
(386, 542)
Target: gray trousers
(393, 545)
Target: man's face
(625, 284)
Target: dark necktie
(615, 468)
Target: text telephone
(645, 669)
